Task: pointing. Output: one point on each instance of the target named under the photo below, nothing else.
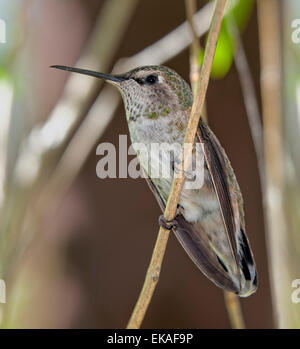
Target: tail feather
(196, 244)
(197, 247)
(247, 266)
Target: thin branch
(153, 272)
(270, 57)
(191, 7)
(250, 100)
(234, 310)
(6, 102)
(232, 302)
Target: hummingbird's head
(148, 91)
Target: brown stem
(234, 310)
(232, 302)
(270, 58)
(250, 100)
(191, 8)
(153, 272)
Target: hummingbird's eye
(151, 79)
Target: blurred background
(74, 249)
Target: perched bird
(210, 219)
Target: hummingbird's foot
(168, 225)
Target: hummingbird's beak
(107, 77)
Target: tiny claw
(168, 225)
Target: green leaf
(225, 49)
(224, 54)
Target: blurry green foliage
(4, 75)
(240, 12)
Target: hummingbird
(209, 221)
